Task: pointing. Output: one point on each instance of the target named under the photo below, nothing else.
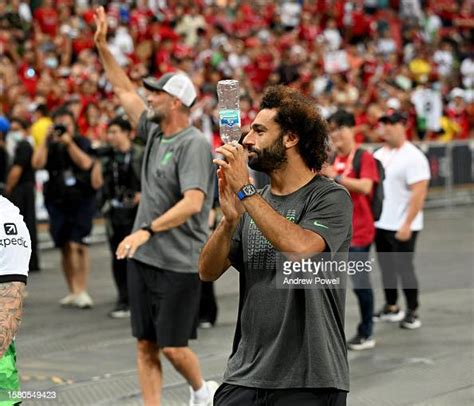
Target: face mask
(51, 63)
(15, 136)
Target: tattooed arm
(11, 303)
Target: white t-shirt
(386, 46)
(290, 14)
(467, 71)
(444, 60)
(432, 25)
(333, 38)
(15, 244)
(403, 166)
(428, 105)
(410, 8)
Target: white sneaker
(121, 311)
(67, 300)
(211, 389)
(391, 316)
(82, 301)
(411, 321)
(358, 343)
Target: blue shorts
(71, 224)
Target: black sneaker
(121, 311)
(411, 321)
(358, 343)
(388, 315)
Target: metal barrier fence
(452, 182)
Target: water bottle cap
(176, 84)
(228, 82)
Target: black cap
(152, 83)
(393, 117)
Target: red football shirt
(363, 228)
(47, 19)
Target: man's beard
(269, 159)
(154, 115)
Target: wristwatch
(246, 191)
(338, 178)
(147, 227)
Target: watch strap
(148, 228)
(244, 192)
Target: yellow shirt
(420, 69)
(39, 130)
(451, 129)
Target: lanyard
(343, 168)
(117, 168)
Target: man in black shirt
(289, 345)
(70, 200)
(20, 184)
(120, 169)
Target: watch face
(249, 190)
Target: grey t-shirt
(291, 338)
(170, 167)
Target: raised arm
(40, 155)
(122, 85)
(78, 156)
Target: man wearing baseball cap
(407, 175)
(170, 227)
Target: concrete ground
(89, 359)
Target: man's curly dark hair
(299, 115)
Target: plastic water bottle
(228, 94)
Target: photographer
(70, 200)
(120, 173)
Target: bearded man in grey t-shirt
(170, 228)
(289, 345)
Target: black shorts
(71, 224)
(233, 395)
(164, 305)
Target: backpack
(377, 197)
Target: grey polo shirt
(171, 166)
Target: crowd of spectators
(364, 56)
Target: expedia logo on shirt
(11, 230)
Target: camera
(59, 130)
(103, 152)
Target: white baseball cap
(394, 103)
(456, 92)
(176, 84)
